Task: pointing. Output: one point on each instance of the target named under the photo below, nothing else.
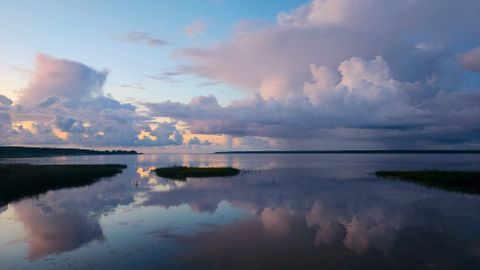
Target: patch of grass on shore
(19, 181)
(183, 172)
(461, 181)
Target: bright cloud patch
(358, 102)
(64, 103)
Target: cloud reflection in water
(299, 212)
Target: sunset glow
(297, 74)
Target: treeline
(20, 152)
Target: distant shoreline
(29, 152)
(355, 152)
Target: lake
(285, 211)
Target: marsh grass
(19, 181)
(183, 172)
(461, 181)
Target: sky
(202, 76)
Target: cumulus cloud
(366, 72)
(68, 80)
(69, 124)
(359, 101)
(64, 103)
(324, 32)
(327, 74)
(142, 37)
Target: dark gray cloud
(5, 101)
(69, 124)
(197, 141)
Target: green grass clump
(461, 181)
(19, 181)
(183, 172)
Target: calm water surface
(286, 212)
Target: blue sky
(220, 75)
(89, 32)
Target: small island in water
(461, 181)
(183, 172)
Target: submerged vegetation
(183, 172)
(19, 181)
(461, 181)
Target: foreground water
(318, 211)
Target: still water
(317, 211)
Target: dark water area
(285, 211)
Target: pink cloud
(64, 103)
(470, 60)
(62, 78)
(274, 60)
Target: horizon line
(393, 151)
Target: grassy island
(183, 172)
(19, 181)
(461, 181)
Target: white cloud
(64, 103)
(73, 82)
